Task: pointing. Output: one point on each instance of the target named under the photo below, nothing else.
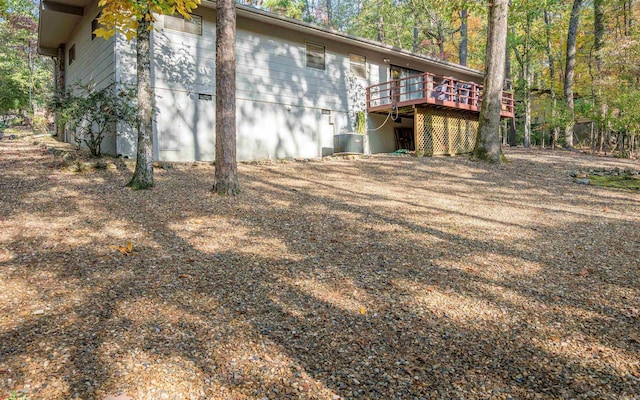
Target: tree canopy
(25, 76)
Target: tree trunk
(415, 37)
(464, 37)
(416, 27)
(555, 135)
(488, 140)
(598, 45)
(380, 29)
(526, 71)
(441, 41)
(143, 174)
(226, 171)
(570, 70)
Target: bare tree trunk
(441, 40)
(598, 45)
(226, 172)
(416, 21)
(592, 139)
(511, 125)
(526, 71)
(380, 29)
(464, 37)
(143, 174)
(512, 121)
(555, 135)
(488, 140)
(572, 35)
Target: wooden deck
(430, 89)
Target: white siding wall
(94, 63)
(125, 60)
(280, 101)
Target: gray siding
(95, 62)
(125, 60)
(280, 101)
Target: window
(72, 54)
(315, 56)
(95, 25)
(358, 65)
(179, 23)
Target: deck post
(418, 130)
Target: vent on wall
(180, 24)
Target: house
(295, 83)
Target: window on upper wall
(72, 54)
(95, 25)
(181, 24)
(315, 56)
(358, 65)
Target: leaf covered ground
(381, 278)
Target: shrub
(92, 113)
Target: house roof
(58, 19)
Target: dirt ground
(380, 278)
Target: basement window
(358, 65)
(315, 56)
(72, 54)
(179, 23)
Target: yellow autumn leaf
(104, 33)
(363, 310)
(126, 250)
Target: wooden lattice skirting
(441, 131)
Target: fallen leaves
(125, 250)
(473, 283)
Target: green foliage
(623, 181)
(92, 113)
(17, 396)
(40, 124)
(361, 122)
(25, 76)
(625, 111)
(288, 8)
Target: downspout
(116, 79)
(60, 87)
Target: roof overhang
(57, 21)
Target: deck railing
(428, 88)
